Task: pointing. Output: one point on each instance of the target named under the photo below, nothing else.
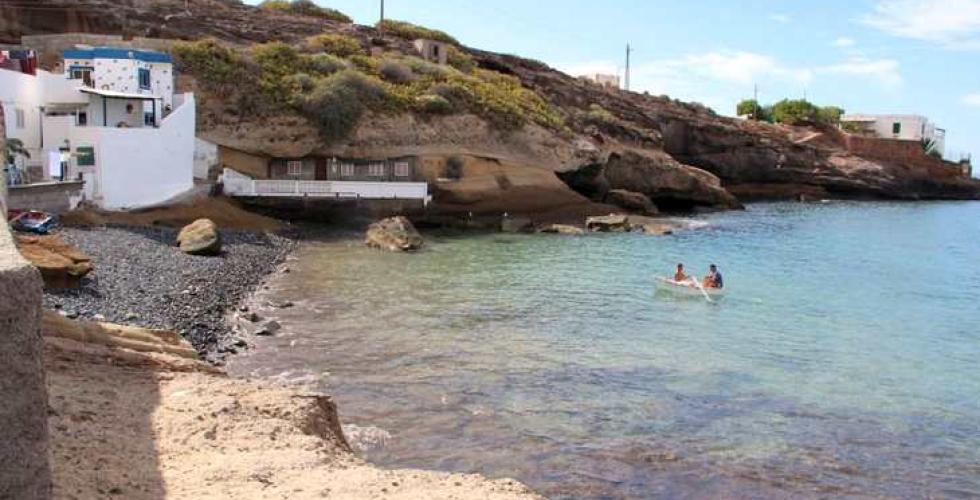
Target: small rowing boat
(688, 288)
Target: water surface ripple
(842, 360)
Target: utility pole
(755, 99)
(626, 81)
(382, 10)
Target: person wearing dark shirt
(713, 278)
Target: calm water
(843, 359)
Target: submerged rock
(612, 223)
(200, 237)
(562, 229)
(395, 234)
(516, 225)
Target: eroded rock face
(631, 200)
(61, 265)
(562, 229)
(612, 223)
(200, 237)
(395, 234)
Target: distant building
(111, 120)
(901, 127)
(602, 79)
(432, 50)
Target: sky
(866, 56)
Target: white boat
(687, 288)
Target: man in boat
(679, 276)
(713, 279)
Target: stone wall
(903, 153)
(24, 468)
(54, 197)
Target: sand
(136, 425)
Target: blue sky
(870, 56)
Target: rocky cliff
(581, 143)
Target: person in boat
(679, 276)
(713, 279)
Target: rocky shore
(142, 278)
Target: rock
(654, 229)
(61, 265)
(285, 304)
(269, 328)
(253, 317)
(612, 223)
(200, 237)
(562, 229)
(395, 234)
(631, 200)
(516, 225)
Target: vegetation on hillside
(306, 8)
(790, 112)
(333, 82)
(411, 31)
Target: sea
(841, 361)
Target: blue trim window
(83, 73)
(144, 78)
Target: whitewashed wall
(22, 92)
(138, 167)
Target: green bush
(794, 112)
(395, 72)
(276, 62)
(306, 8)
(829, 114)
(326, 64)
(503, 101)
(410, 31)
(433, 104)
(600, 116)
(364, 63)
(300, 83)
(213, 64)
(460, 60)
(334, 43)
(337, 102)
(423, 67)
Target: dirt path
(148, 426)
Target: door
(321, 169)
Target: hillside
(270, 83)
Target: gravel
(142, 278)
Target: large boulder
(61, 265)
(396, 234)
(200, 237)
(612, 223)
(631, 200)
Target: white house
(602, 79)
(902, 127)
(111, 119)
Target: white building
(902, 127)
(602, 79)
(111, 120)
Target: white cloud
(883, 70)
(737, 67)
(972, 99)
(780, 18)
(844, 42)
(952, 24)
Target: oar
(698, 284)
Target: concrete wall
(143, 166)
(24, 468)
(54, 197)
(205, 159)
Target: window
(402, 169)
(144, 77)
(896, 128)
(376, 170)
(82, 119)
(85, 156)
(19, 118)
(294, 168)
(347, 170)
(83, 73)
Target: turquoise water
(843, 359)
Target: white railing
(236, 184)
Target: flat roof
(118, 53)
(118, 95)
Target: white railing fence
(236, 184)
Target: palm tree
(13, 149)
